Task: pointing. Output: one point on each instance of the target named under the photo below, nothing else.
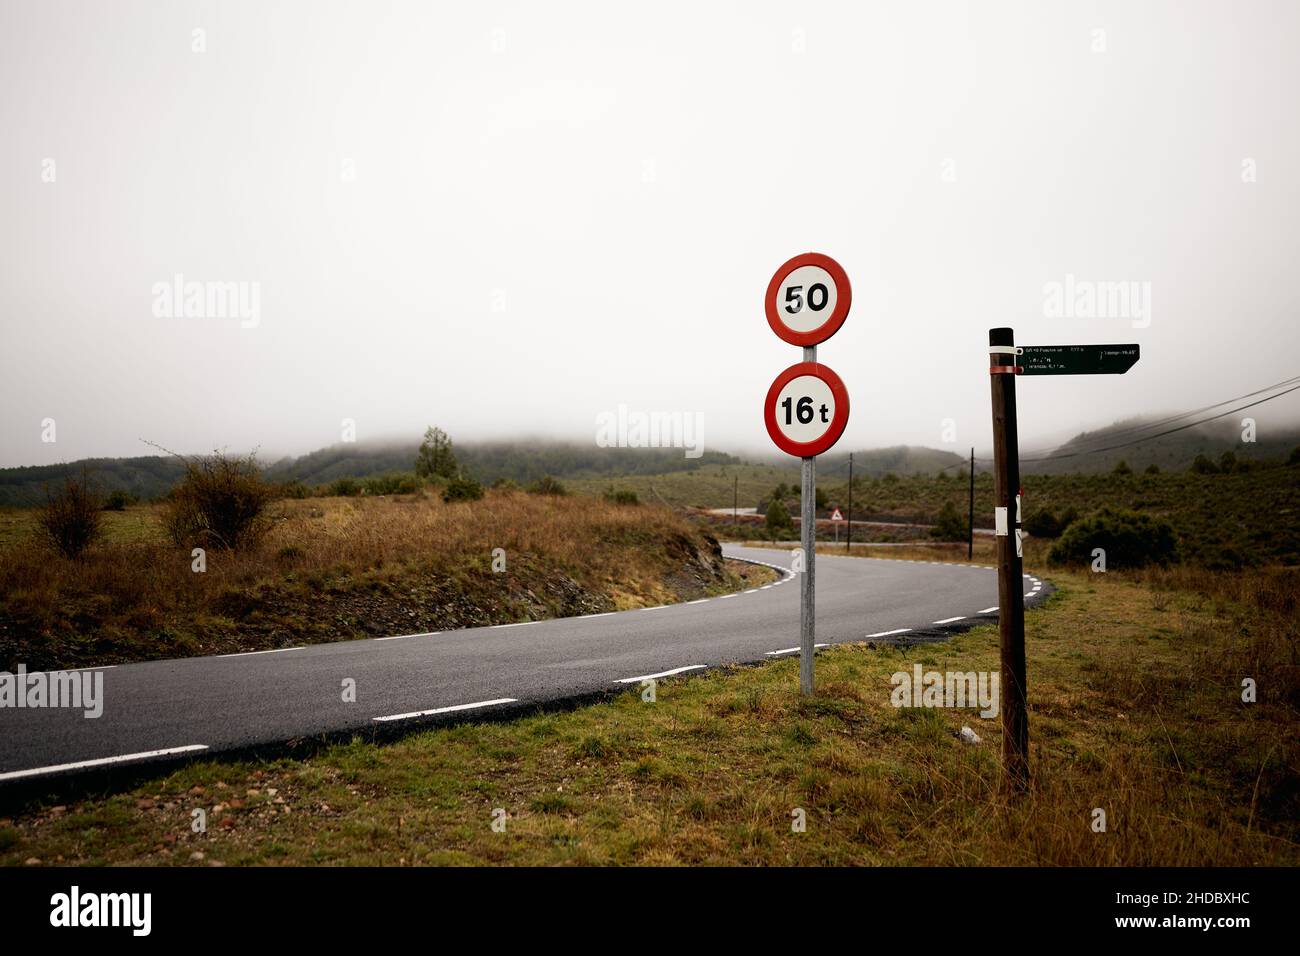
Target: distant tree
(1203, 466)
(1228, 462)
(1122, 468)
(1153, 469)
(950, 525)
(435, 458)
(1294, 458)
(778, 520)
(821, 500)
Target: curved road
(160, 710)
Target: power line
(1292, 382)
(1138, 441)
(1133, 429)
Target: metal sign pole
(808, 533)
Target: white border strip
(675, 670)
(101, 762)
(448, 710)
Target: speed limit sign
(806, 409)
(808, 299)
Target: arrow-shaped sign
(1077, 359)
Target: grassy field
(1221, 520)
(338, 568)
(1135, 708)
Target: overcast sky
(509, 218)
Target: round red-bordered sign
(807, 387)
(808, 299)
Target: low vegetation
(328, 569)
(70, 519)
(1135, 696)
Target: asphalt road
(162, 710)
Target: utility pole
(1003, 368)
(848, 540)
(970, 519)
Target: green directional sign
(1077, 359)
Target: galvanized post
(808, 534)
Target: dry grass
(331, 569)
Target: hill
(1092, 451)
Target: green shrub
(1041, 523)
(345, 487)
(622, 496)
(118, 500)
(1130, 540)
(294, 489)
(461, 488)
(546, 485)
(778, 520)
(1122, 468)
(70, 518)
(950, 525)
(1203, 466)
(1153, 469)
(394, 484)
(1228, 462)
(1294, 457)
(220, 503)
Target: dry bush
(220, 503)
(70, 518)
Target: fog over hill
(525, 460)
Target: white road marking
(989, 610)
(104, 667)
(792, 650)
(949, 620)
(448, 710)
(601, 614)
(901, 630)
(100, 762)
(402, 637)
(277, 650)
(515, 624)
(700, 601)
(675, 670)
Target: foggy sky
(560, 208)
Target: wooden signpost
(1006, 361)
(807, 407)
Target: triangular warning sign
(836, 516)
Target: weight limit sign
(808, 299)
(806, 409)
